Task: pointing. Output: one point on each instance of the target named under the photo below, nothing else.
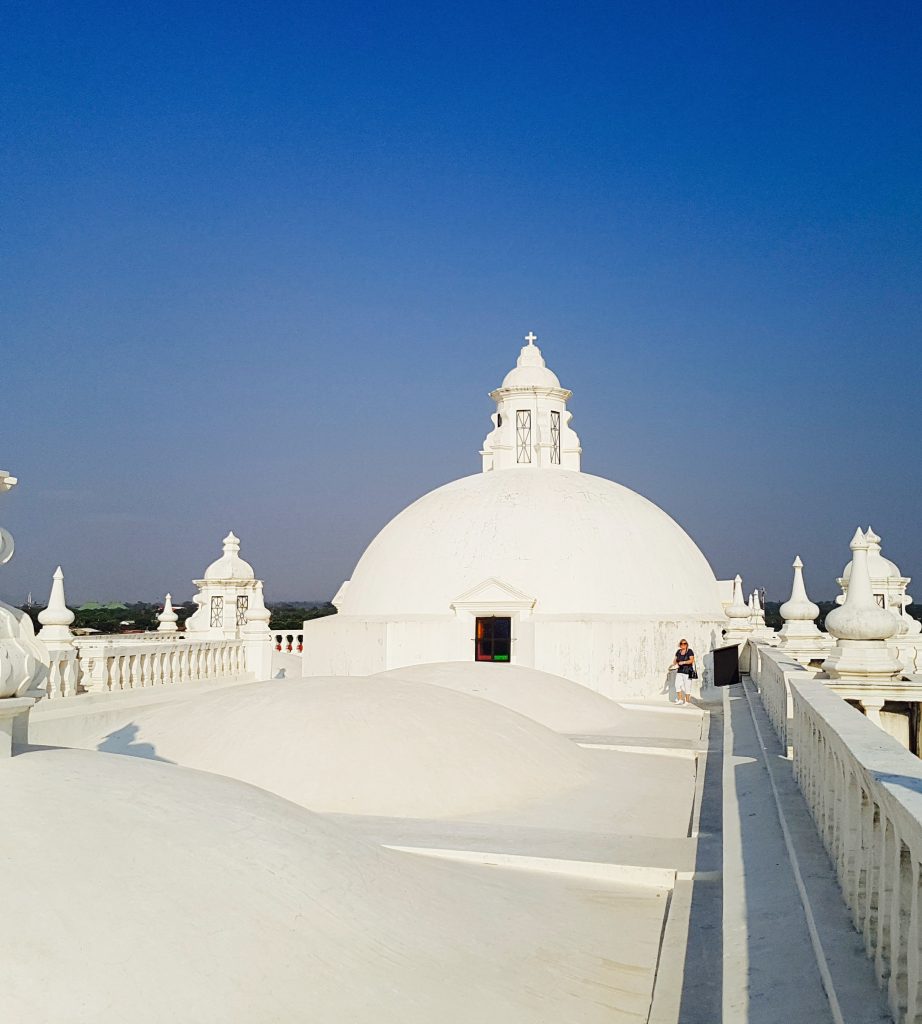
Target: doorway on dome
(493, 638)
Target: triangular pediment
(493, 591)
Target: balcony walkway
(761, 936)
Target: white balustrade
(113, 663)
(772, 670)
(63, 671)
(865, 793)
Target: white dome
(332, 745)
(531, 377)
(148, 892)
(577, 544)
(879, 568)
(230, 566)
(530, 371)
(557, 703)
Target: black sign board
(726, 665)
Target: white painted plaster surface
(557, 703)
(575, 543)
(150, 893)
(359, 746)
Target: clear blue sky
(262, 262)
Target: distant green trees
(293, 616)
(774, 620)
(142, 616)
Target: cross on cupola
(531, 422)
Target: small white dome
(557, 703)
(531, 377)
(573, 542)
(230, 566)
(356, 746)
(879, 568)
(530, 371)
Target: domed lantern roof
(530, 370)
(879, 568)
(230, 566)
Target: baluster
(884, 900)
(913, 952)
(898, 988)
(70, 677)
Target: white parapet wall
(772, 670)
(864, 791)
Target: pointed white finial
(859, 617)
(168, 618)
(799, 607)
(231, 544)
(738, 612)
(57, 617)
(531, 337)
(799, 636)
(258, 614)
(738, 608)
(862, 628)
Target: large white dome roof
(576, 543)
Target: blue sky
(263, 262)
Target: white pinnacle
(168, 618)
(860, 617)
(57, 617)
(258, 614)
(862, 628)
(799, 607)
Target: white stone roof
(572, 542)
(356, 745)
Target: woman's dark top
(685, 669)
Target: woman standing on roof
(684, 665)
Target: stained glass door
(493, 638)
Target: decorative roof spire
(738, 612)
(799, 636)
(760, 629)
(860, 617)
(861, 627)
(57, 617)
(168, 618)
(799, 607)
(531, 423)
(258, 614)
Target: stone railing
(113, 663)
(772, 671)
(63, 671)
(291, 641)
(864, 791)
